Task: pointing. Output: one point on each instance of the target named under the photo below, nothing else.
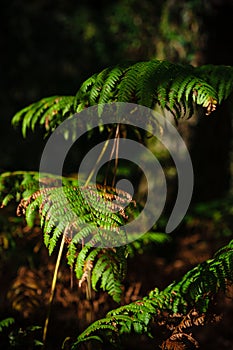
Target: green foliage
(175, 87)
(6, 323)
(195, 290)
(48, 111)
(107, 267)
(25, 338)
(89, 218)
(140, 244)
(220, 77)
(217, 212)
(81, 213)
(19, 185)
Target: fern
(19, 185)
(7, 322)
(109, 91)
(47, 111)
(128, 85)
(88, 220)
(220, 77)
(75, 209)
(172, 86)
(97, 86)
(195, 290)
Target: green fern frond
(6, 323)
(82, 96)
(127, 88)
(48, 112)
(195, 290)
(109, 271)
(19, 185)
(88, 219)
(220, 77)
(155, 74)
(109, 90)
(87, 253)
(97, 87)
(77, 210)
(173, 86)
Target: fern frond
(6, 323)
(89, 220)
(86, 214)
(154, 75)
(87, 253)
(19, 185)
(127, 88)
(109, 90)
(48, 112)
(220, 77)
(109, 271)
(173, 86)
(195, 290)
(98, 86)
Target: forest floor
(26, 272)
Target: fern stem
(53, 286)
(117, 154)
(111, 155)
(88, 286)
(99, 159)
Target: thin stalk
(117, 155)
(99, 159)
(88, 287)
(52, 292)
(111, 155)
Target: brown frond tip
(180, 341)
(88, 266)
(24, 203)
(210, 106)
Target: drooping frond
(90, 218)
(107, 267)
(149, 83)
(82, 96)
(82, 213)
(97, 87)
(48, 112)
(194, 291)
(6, 323)
(175, 87)
(109, 91)
(128, 85)
(19, 185)
(220, 77)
